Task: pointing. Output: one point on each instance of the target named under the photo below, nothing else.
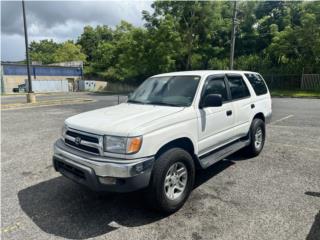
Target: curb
(12, 106)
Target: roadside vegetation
(296, 93)
(272, 37)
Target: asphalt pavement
(273, 196)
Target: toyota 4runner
(170, 125)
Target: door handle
(229, 113)
(253, 106)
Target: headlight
(124, 145)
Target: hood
(120, 119)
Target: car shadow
(314, 233)
(313, 194)
(203, 175)
(65, 209)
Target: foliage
(43, 51)
(272, 37)
(47, 51)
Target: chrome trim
(98, 146)
(102, 166)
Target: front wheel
(257, 138)
(171, 181)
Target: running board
(208, 159)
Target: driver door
(215, 123)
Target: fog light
(108, 180)
(139, 168)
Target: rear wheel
(171, 181)
(257, 138)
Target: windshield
(170, 90)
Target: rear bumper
(101, 173)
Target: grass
(296, 93)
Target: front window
(170, 91)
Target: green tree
(278, 36)
(297, 47)
(43, 51)
(47, 51)
(68, 51)
(91, 37)
(202, 28)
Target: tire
(254, 149)
(159, 191)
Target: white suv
(171, 124)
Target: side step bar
(216, 155)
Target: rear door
(215, 123)
(242, 104)
(262, 98)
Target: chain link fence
(293, 81)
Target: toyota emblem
(77, 140)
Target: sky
(61, 20)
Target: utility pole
(233, 34)
(31, 98)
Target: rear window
(257, 83)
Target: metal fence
(293, 82)
(310, 81)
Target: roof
(199, 73)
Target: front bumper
(92, 171)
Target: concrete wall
(91, 85)
(12, 81)
(49, 86)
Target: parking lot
(273, 196)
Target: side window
(216, 85)
(238, 87)
(257, 83)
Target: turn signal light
(134, 144)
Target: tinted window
(238, 87)
(257, 83)
(216, 85)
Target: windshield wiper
(165, 104)
(134, 101)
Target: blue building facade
(13, 75)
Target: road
(273, 196)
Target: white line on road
(281, 119)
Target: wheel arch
(259, 115)
(184, 143)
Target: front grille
(82, 147)
(82, 136)
(83, 141)
(78, 173)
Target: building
(46, 76)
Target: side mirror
(212, 100)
